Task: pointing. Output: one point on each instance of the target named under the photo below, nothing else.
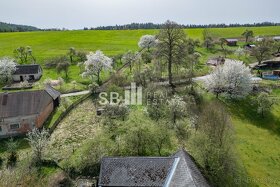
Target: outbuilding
(231, 42)
(276, 38)
(31, 72)
(22, 111)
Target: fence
(69, 109)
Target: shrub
(116, 111)
(53, 62)
(1, 162)
(24, 84)
(12, 159)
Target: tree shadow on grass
(22, 143)
(247, 110)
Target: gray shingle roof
(232, 40)
(187, 173)
(52, 92)
(24, 103)
(179, 170)
(27, 69)
(135, 171)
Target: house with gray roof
(231, 42)
(178, 170)
(276, 38)
(22, 111)
(30, 72)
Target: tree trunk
(98, 78)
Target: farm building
(177, 170)
(216, 61)
(276, 72)
(276, 38)
(273, 63)
(249, 46)
(219, 61)
(22, 111)
(259, 39)
(27, 73)
(231, 42)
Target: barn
(231, 42)
(22, 111)
(31, 72)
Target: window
(14, 126)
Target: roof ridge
(112, 157)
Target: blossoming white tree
(239, 52)
(95, 64)
(233, 79)
(38, 141)
(177, 107)
(147, 41)
(7, 68)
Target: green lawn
(258, 140)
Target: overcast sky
(76, 14)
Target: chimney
(5, 98)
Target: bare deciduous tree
(262, 50)
(172, 46)
(264, 103)
(248, 34)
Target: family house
(231, 42)
(27, 73)
(177, 170)
(249, 47)
(22, 111)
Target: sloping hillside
(7, 27)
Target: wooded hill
(8, 27)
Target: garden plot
(79, 125)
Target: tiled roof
(27, 69)
(135, 171)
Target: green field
(48, 44)
(55, 43)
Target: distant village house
(276, 38)
(231, 42)
(249, 47)
(22, 111)
(27, 73)
(216, 61)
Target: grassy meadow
(49, 44)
